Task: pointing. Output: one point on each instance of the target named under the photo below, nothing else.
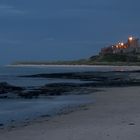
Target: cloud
(6, 10)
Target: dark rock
(131, 124)
(96, 79)
(57, 89)
(1, 124)
(5, 88)
(29, 94)
(45, 116)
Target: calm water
(10, 74)
(19, 110)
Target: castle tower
(133, 42)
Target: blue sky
(39, 30)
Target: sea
(15, 111)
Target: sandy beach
(114, 116)
(123, 67)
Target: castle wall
(131, 46)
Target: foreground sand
(114, 116)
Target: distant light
(122, 44)
(130, 38)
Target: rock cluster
(95, 79)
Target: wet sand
(123, 67)
(114, 116)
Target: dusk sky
(39, 30)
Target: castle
(132, 46)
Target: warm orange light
(122, 44)
(130, 38)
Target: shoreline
(34, 109)
(136, 67)
(115, 115)
(45, 118)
